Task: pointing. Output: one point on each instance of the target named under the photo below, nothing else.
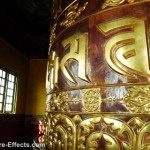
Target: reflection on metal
(72, 13)
(113, 3)
(52, 72)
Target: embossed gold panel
(123, 51)
(97, 131)
(98, 76)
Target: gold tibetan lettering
(127, 51)
(52, 71)
(77, 52)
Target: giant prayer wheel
(98, 76)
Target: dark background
(25, 24)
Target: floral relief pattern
(90, 102)
(72, 13)
(137, 99)
(96, 131)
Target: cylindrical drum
(98, 76)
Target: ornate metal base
(97, 131)
(85, 121)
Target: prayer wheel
(98, 76)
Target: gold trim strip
(101, 113)
(135, 99)
(99, 86)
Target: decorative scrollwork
(92, 141)
(60, 102)
(52, 35)
(84, 130)
(91, 101)
(138, 99)
(122, 130)
(95, 131)
(64, 131)
(144, 138)
(72, 13)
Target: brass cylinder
(98, 76)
